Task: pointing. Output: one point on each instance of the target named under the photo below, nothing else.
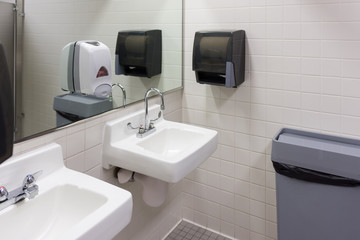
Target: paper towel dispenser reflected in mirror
(138, 53)
(219, 58)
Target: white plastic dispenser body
(95, 68)
(66, 68)
(86, 68)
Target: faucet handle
(30, 179)
(158, 117)
(3, 194)
(141, 129)
(29, 186)
(131, 127)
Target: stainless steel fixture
(123, 91)
(148, 126)
(28, 190)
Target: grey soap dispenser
(219, 57)
(6, 109)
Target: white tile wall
(302, 72)
(82, 143)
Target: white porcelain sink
(70, 205)
(170, 141)
(168, 154)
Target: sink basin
(70, 205)
(170, 142)
(171, 152)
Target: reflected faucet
(162, 107)
(28, 190)
(123, 91)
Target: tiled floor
(187, 231)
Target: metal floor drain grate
(188, 231)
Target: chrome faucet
(147, 125)
(123, 91)
(28, 190)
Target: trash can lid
(320, 152)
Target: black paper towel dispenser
(138, 53)
(219, 58)
(6, 109)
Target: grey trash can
(73, 107)
(318, 186)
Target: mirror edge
(48, 131)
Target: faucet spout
(123, 92)
(162, 107)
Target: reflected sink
(171, 152)
(70, 205)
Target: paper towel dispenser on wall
(219, 58)
(6, 109)
(138, 53)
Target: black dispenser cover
(6, 109)
(219, 58)
(138, 53)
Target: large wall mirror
(44, 27)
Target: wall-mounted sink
(70, 205)
(169, 153)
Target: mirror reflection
(44, 28)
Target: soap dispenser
(86, 68)
(219, 57)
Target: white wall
(303, 71)
(82, 143)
